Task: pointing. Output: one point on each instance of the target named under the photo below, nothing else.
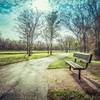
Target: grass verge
(57, 65)
(6, 58)
(60, 63)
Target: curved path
(25, 80)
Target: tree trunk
(51, 48)
(48, 49)
(51, 40)
(29, 51)
(27, 45)
(97, 45)
(69, 47)
(84, 42)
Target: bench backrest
(85, 57)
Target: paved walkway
(25, 80)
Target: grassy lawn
(57, 65)
(14, 56)
(60, 63)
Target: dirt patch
(94, 69)
(62, 79)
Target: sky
(8, 14)
(9, 10)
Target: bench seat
(82, 57)
(75, 65)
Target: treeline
(6, 44)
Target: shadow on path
(10, 93)
(25, 80)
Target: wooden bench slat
(74, 65)
(83, 56)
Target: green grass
(95, 62)
(57, 65)
(60, 63)
(38, 55)
(10, 57)
(69, 95)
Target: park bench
(83, 58)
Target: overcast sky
(9, 11)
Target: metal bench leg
(70, 68)
(79, 75)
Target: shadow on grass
(85, 84)
(93, 82)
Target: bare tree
(45, 35)
(61, 43)
(27, 24)
(79, 22)
(52, 24)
